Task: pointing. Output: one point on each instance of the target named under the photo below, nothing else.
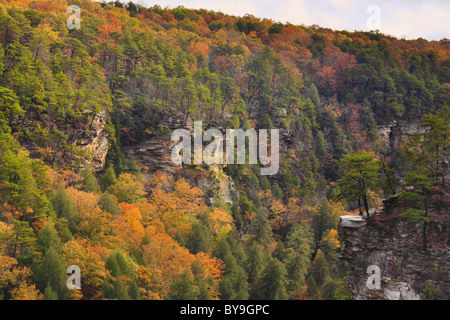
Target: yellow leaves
(338, 209)
(128, 225)
(26, 292)
(174, 209)
(166, 260)
(80, 253)
(128, 188)
(6, 231)
(221, 221)
(45, 31)
(18, 279)
(92, 222)
(7, 274)
(160, 181)
(277, 211)
(165, 255)
(83, 202)
(10, 213)
(94, 225)
(277, 207)
(332, 239)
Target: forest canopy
(329, 92)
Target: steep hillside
(87, 179)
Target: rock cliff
(407, 272)
(95, 142)
(217, 185)
(154, 154)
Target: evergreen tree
(299, 247)
(108, 178)
(50, 272)
(184, 288)
(320, 149)
(260, 229)
(49, 294)
(320, 270)
(272, 283)
(255, 262)
(90, 181)
(367, 121)
(107, 202)
(234, 283)
(62, 205)
(199, 240)
(360, 174)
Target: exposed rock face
(154, 154)
(96, 142)
(218, 186)
(390, 133)
(407, 271)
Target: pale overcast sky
(429, 19)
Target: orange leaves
(80, 253)
(221, 221)
(146, 281)
(168, 214)
(165, 255)
(332, 239)
(190, 197)
(17, 279)
(327, 78)
(10, 213)
(174, 209)
(128, 225)
(212, 266)
(112, 25)
(200, 48)
(166, 260)
(26, 292)
(40, 5)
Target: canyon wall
(395, 245)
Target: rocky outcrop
(154, 153)
(217, 185)
(390, 133)
(95, 142)
(394, 245)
